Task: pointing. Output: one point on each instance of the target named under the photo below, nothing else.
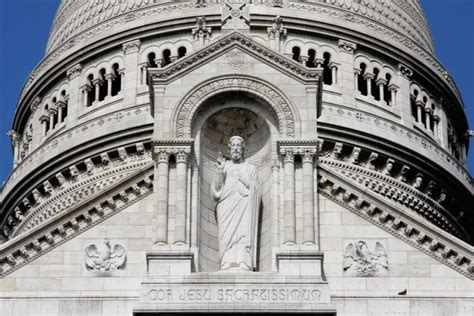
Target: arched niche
(219, 118)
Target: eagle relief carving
(102, 258)
(359, 261)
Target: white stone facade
(360, 151)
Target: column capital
(161, 155)
(109, 76)
(381, 81)
(131, 47)
(307, 149)
(97, 81)
(393, 87)
(288, 155)
(87, 87)
(182, 154)
(181, 148)
(308, 154)
(368, 76)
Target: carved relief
(102, 257)
(359, 261)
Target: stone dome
(356, 130)
(403, 20)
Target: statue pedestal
(169, 263)
(300, 262)
(222, 292)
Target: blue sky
(24, 27)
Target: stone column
(368, 78)
(181, 183)
(194, 205)
(289, 203)
(161, 209)
(109, 78)
(381, 84)
(85, 89)
(44, 121)
(419, 111)
(143, 74)
(308, 195)
(428, 113)
(393, 94)
(97, 83)
(15, 139)
(276, 200)
(333, 66)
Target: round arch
(184, 115)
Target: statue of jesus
(237, 192)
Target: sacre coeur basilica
(238, 157)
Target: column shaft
(276, 201)
(194, 206)
(308, 201)
(289, 218)
(381, 92)
(162, 200)
(180, 217)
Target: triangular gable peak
(299, 72)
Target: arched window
(327, 72)
(166, 57)
(311, 58)
(102, 86)
(65, 106)
(432, 120)
(55, 115)
(116, 80)
(91, 93)
(423, 117)
(181, 51)
(413, 98)
(386, 92)
(296, 53)
(151, 60)
(47, 122)
(362, 83)
(375, 89)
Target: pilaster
(131, 73)
(403, 101)
(346, 80)
(75, 97)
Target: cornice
(423, 236)
(401, 184)
(20, 251)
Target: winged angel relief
(102, 258)
(361, 262)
